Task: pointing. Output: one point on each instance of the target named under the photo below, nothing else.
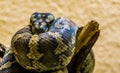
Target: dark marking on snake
(48, 45)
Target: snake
(48, 45)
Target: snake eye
(41, 22)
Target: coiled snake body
(49, 45)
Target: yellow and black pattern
(9, 64)
(48, 45)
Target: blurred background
(15, 14)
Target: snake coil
(48, 45)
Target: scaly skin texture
(50, 45)
(46, 44)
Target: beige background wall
(14, 14)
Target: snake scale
(50, 45)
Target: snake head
(40, 22)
